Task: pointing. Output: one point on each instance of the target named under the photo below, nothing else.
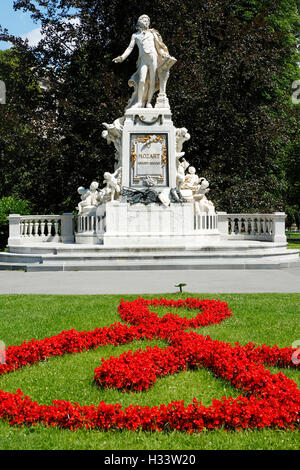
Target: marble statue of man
(153, 64)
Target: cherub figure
(88, 197)
(202, 204)
(113, 134)
(113, 183)
(182, 136)
(180, 176)
(191, 180)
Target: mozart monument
(152, 210)
(153, 195)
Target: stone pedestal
(117, 224)
(148, 148)
(279, 227)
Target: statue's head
(94, 186)
(81, 190)
(143, 21)
(204, 183)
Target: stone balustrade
(91, 226)
(206, 222)
(260, 227)
(90, 223)
(29, 229)
(32, 229)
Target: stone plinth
(152, 225)
(148, 148)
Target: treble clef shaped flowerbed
(266, 400)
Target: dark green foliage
(10, 205)
(231, 88)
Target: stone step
(59, 249)
(139, 256)
(225, 255)
(216, 264)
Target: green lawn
(261, 318)
(294, 246)
(293, 235)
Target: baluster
(30, 227)
(49, 228)
(56, 227)
(271, 227)
(253, 227)
(43, 228)
(36, 229)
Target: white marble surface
(139, 224)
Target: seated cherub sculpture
(88, 197)
(191, 180)
(202, 204)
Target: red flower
(271, 400)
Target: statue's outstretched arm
(127, 52)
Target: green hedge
(11, 205)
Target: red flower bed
(267, 400)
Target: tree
(231, 88)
